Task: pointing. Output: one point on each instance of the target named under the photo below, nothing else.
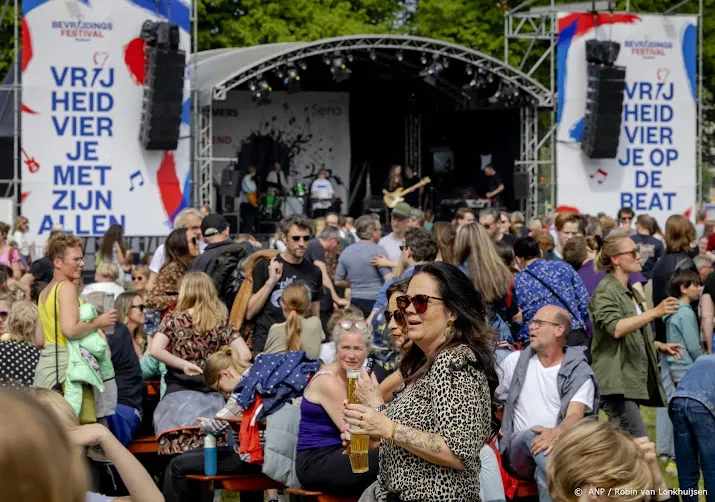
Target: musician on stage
(321, 194)
(495, 186)
(249, 200)
(276, 181)
(394, 179)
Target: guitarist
(394, 179)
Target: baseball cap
(402, 210)
(213, 224)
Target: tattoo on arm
(419, 439)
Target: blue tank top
(316, 429)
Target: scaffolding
(530, 37)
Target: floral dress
(452, 400)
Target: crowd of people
(487, 346)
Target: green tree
(234, 23)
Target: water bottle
(210, 455)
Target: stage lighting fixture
(261, 92)
(350, 57)
(339, 71)
(400, 56)
(290, 78)
(506, 95)
(326, 59)
(469, 70)
(373, 55)
(302, 65)
(430, 73)
(423, 58)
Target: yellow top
(49, 311)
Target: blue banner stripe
(179, 13)
(690, 45)
(28, 5)
(562, 53)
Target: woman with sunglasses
(124, 342)
(624, 355)
(434, 430)
(320, 464)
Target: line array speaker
(604, 104)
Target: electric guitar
(391, 199)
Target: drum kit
(277, 204)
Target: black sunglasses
(419, 301)
(398, 315)
(141, 307)
(297, 238)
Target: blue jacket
(682, 327)
(699, 383)
(278, 378)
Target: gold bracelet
(657, 345)
(394, 429)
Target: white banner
(83, 167)
(305, 132)
(655, 170)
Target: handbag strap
(558, 296)
(56, 322)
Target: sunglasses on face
(419, 301)
(626, 218)
(402, 247)
(359, 325)
(4, 314)
(398, 315)
(138, 278)
(141, 307)
(633, 252)
(297, 238)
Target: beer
(358, 443)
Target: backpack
(225, 271)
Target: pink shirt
(7, 259)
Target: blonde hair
(143, 271)
(123, 305)
(57, 404)
(320, 224)
(679, 234)
(23, 320)
(488, 272)
(198, 292)
(109, 270)
(296, 299)
(609, 249)
(598, 455)
(38, 460)
(59, 244)
(226, 358)
(349, 313)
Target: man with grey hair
(548, 390)
(355, 268)
(190, 219)
(417, 218)
(328, 241)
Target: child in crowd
(682, 327)
(298, 332)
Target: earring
(449, 331)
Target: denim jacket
(699, 383)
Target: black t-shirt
(42, 270)
(272, 313)
(127, 371)
(315, 251)
(493, 183)
(652, 250)
(412, 198)
(709, 286)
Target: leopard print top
(452, 400)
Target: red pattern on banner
(587, 22)
(24, 196)
(168, 182)
(134, 59)
(26, 44)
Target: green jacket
(84, 354)
(626, 366)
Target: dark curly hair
(471, 329)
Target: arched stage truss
(216, 72)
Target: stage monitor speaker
(230, 183)
(163, 98)
(604, 105)
(521, 186)
(442, 161)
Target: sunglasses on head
(419, 301)
(296, 238)
(141, 307)
(359, 325)
(398, 315)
